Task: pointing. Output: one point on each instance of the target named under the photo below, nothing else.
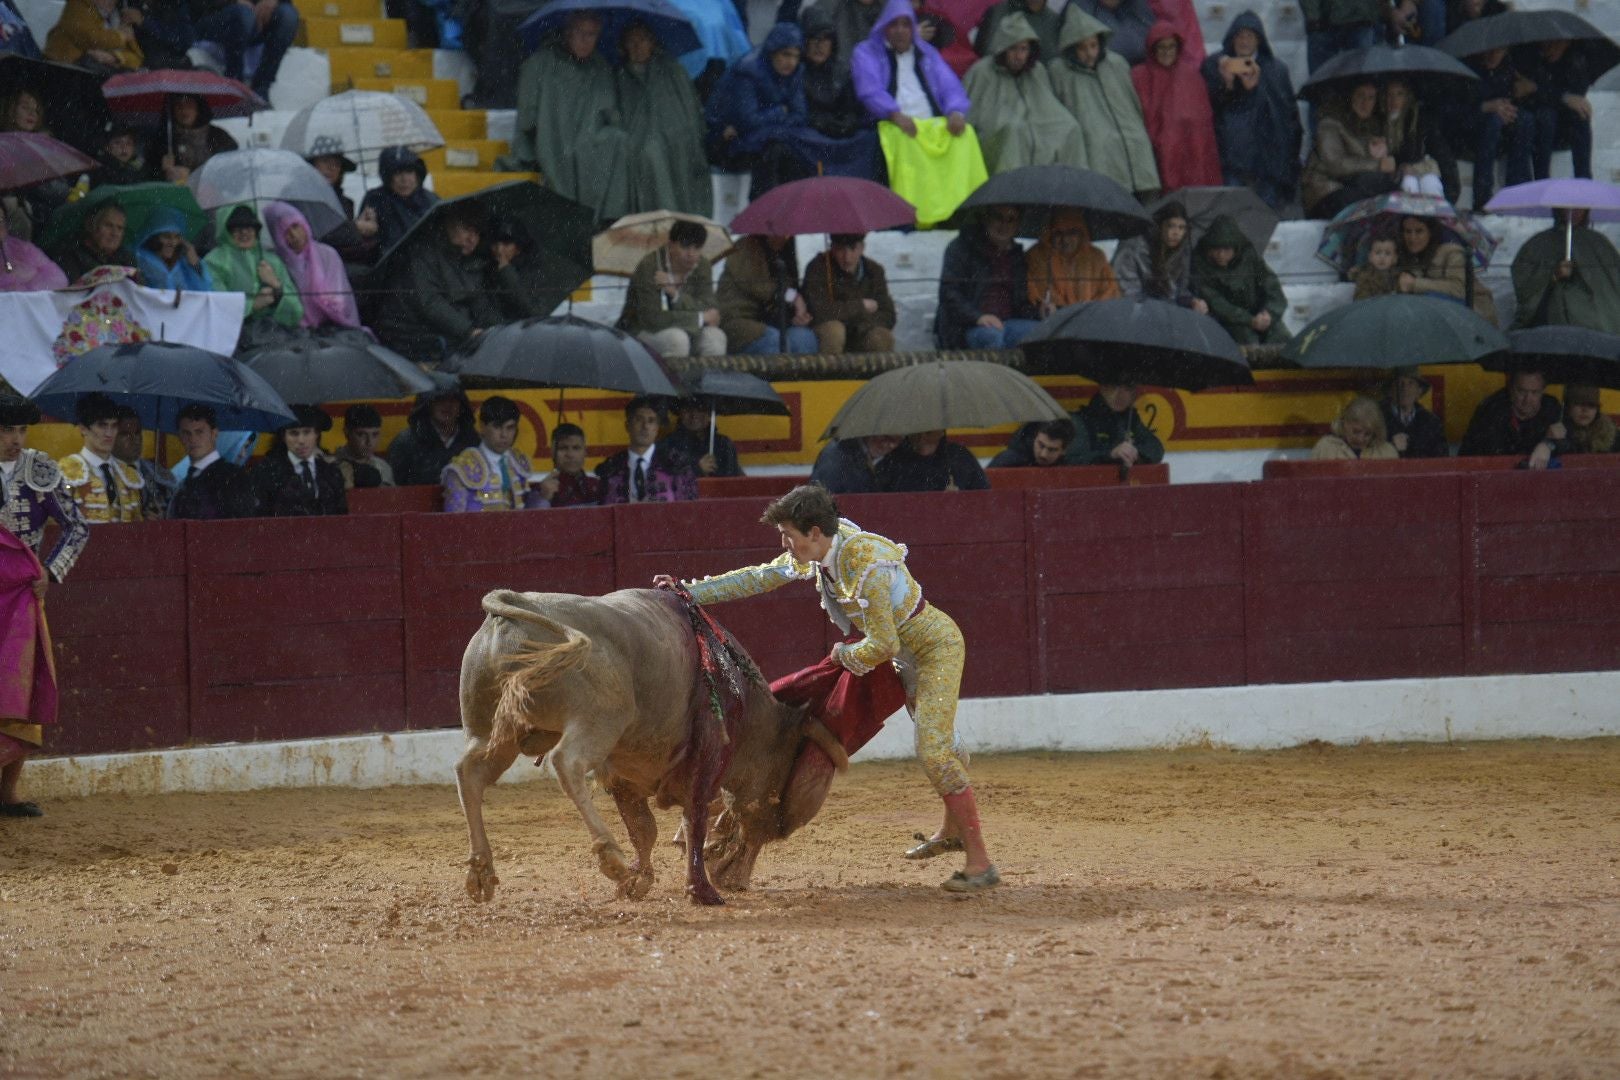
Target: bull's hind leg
(573, 759)
(638, 819)
(479, 767)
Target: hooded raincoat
(1177, 115)
(235, 269)
(396, 215)
(317, 271)
(663, 121)
(1103, 100)
(1239, 291)
(569, 127)
(1590, 298)
(1063, 280)
(1128, 20)
(155, 273)
(872, 65)
(1019, 119)
(1257, 130)
(1047, 24)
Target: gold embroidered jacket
(90, 490)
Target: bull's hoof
(637, 885)
(734, 876)
(704, 894)
(610, 860)
(481, 879)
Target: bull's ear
(817, 732)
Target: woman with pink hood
(1176, 111)
(315, 268)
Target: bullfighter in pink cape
(32, 492)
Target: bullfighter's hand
(664, 581)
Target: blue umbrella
(159, 378)
(666, 21)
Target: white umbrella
(620, 248)
(261, 176)
(360, 125)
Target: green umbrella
(1395, 331)
(139, 202)
(940, 395)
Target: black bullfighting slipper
(21, 809)
(929, 848)
(960, 882)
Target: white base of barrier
(1568, 706)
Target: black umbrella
(1564, 354)
(1138, 341)
(561, 351)
(345, 367)
(75, 111)
(737, 393)
(1204, 204)
(1395, 331)
(1514, 28)
(1111, 212)
(559, 231)
(1431, 71)
(159, 378)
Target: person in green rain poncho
(241, 262)
(1582, 290)
(568, 120)
(1243, 294)
(1094, 84)
(1019, 119)
(661, 113)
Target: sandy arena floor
(1405, 911)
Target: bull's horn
(817, 732)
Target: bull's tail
(531, 668)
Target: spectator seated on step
(357, 458)
(1176, 111)
(1242, 292)
(1350, 157)
(295, 479)
(1590, 432)
(1159, 265)
(1356, 434)
(758, 116)
(214, 489)
(832, 108)
(1110, 431)
(28, 212)
(243, 262)
(120, 157)
(856, 466)
(98, 35)
(1065, 267)
(1018, 116)
(107, 490)
(984, 285)
(761, 308)
(1562, 74)
(520, 286)
(1094, 84)
(440, 426)
(1256, 117)
(356, 238)
(1496, 122)
(186, 138)
(1424, 159)
(1336, 26)
(316, 270)
(493, 475)
(670, 304)
(100, 243)
(400, 199)
(234, 25)
(848, 295)
(690, 439)
(1414, 431)
(1378, 274)
(663, 122)
(646, 471)
(1580, 290)
(1520, 420)
(1431, 265)
(166, 33)
(1038, 445)
(445, 296)
(568, 484)
(928, 461)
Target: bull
(611, 685)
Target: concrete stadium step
(1307, 302)
(324, 33)
(465, 154)
(428, 93)
(343, 9)
(351, 63)
(459, 124)
(455, 182)
(1292, 250)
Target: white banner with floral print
(44, 330)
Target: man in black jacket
(1520, 420)
(444, 296)
(295, 479)
(440, 427)
(213, 489)
(984, 286)
(1414, 431)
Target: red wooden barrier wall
(1030, 478)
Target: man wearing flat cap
(32, 493)
(107, 490)
(295, 479)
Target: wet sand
(1377, 911)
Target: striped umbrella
(141, 95)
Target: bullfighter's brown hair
(805, 507)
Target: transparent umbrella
(262, 176)
(360, 125)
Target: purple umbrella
(27, 157)
(1541, 197)
(824, 204)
